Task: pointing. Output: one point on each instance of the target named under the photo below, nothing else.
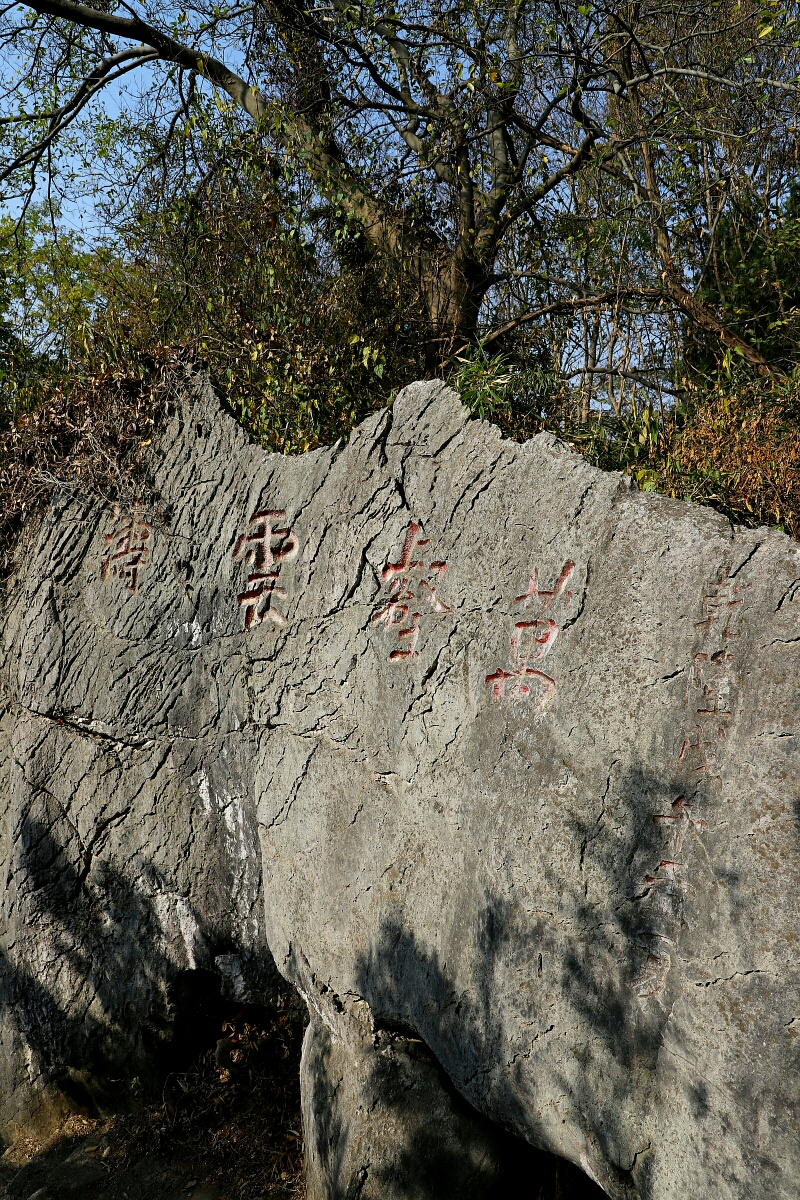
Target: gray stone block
(474, 737)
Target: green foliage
(560, 160)
(302, 335)
(412, 201)
(753, 279)
(46, 296)
(732, 442)
(520, 393)
(483, 382)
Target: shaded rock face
(383, 1122)
(492, 752)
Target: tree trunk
(452, 289)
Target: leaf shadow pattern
(384, 1122)
(95, 996)
(597, 973)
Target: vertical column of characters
(708, 699)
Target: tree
(754, 279)
(301, 346)
(521, 163)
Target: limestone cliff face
(490, 751)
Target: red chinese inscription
(678, 823)
(534, 592)
(265, 545)
(653, 973)
(127, 548)
(720, 601)
(519, 683)
(708, 697)
(531, 641)
(699, 753)
(670, 877)
(411, 585)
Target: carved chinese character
(531, 641)
(700, 755)
(412, 636)
(652, 976)
(720, 601)
(127, 547)
(709, 675)
(535, 593)
(669, 878)
(679, 822)
(712, 702)
(406, 563)
(428, 588)
(519, 684)
(411, 585)
(255, 546)
(710, 666)
(257, 602)
(264, 547)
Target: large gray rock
(519, 745)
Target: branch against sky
(456, 136)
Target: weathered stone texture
(549, 826)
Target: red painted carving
(679, 822)
(669, 877)
(127, 547)
(410, 583)
(264, 546)
(257, 601)
(700, 755)
(534, 592)
(412, 636)
(406, 564)
(706, 665)
(255, 546)
(393, 613)
(428, 589)
(525, 633)
(514, 685)
(719, 604)
(531, 641)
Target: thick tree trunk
(452, 290)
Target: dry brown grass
(739, 451)
(88, 435)
(239, 1131)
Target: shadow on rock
(603, 975)
(94, 990)
(383, 1122)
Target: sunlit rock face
(486, 750)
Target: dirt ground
(226, 1128)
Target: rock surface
(382, 1122)
(511, 746)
